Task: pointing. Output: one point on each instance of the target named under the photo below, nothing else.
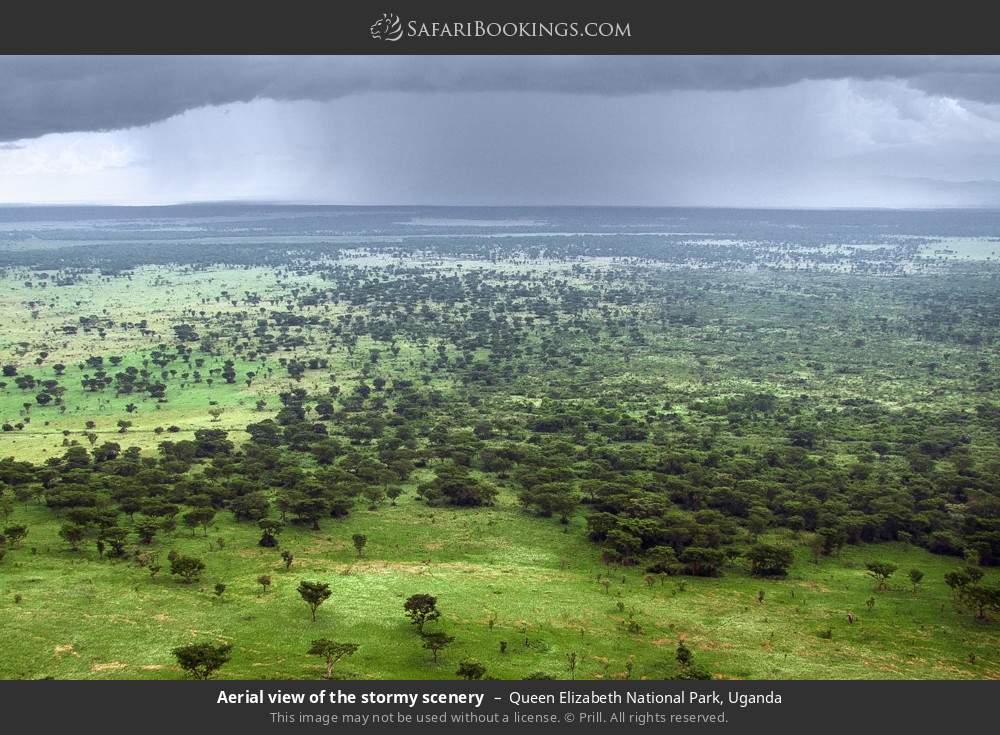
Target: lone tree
(359, 543)
(683, 655)
(471, 670)
(769, 560)
(332, 651)
(287, 557)
(264, 581)
(201, 660)
(436, 642)
(880, 571)
(916, 577)
(688, 668)
(421, 609)
(188, 568)
(269, 530)
(315, 594)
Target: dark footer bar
(269, 706)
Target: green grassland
(667, 354)
(84, 618)
(155, 295)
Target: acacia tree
(623, 545)
(201, 660)
(146, 531)
(309, 510)
(880, 571)
(114, 537)
(199, 517)
(6, 506)
(972, 595)
(269, 530)
(688, 668)
(314, 594)
(188, 568)
(421, 608)
(72, 534)
(436, 642)
(982, 600)
(769, 560)
(332, 651)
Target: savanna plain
(361, 443)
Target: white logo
(387, 28)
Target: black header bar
(513, 27)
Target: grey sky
(739, 131)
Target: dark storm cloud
(40, 95)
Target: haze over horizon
(719, 131)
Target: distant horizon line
(271, 203)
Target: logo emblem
(387, 28)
